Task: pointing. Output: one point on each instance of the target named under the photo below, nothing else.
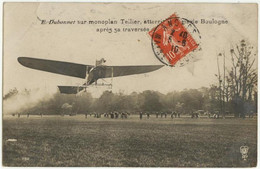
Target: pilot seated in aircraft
(100, 62)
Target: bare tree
(242, 76)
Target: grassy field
(162, 142)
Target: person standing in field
(156, 113)
(179, 114)
(112, 115)
(172, 114)
(148, 115)
(28, 114)
(141, 115)
(165, 115)
(116, 115)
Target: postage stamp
(173, 39)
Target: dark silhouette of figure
(141, 115)
(124, 115)
(172, 115)
(112, 115)
(194, 115)
(148, 115)
(156, 114)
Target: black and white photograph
(129, 84)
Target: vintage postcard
(130, 84)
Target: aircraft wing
(59, 67)
(127, 70)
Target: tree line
(186, 101)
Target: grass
(76, 141)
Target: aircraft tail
(70, 89)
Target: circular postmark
(175, 40)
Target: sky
(24, 35)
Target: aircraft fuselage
(96, 73)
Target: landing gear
(104, 82)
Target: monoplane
(91, 73)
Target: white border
(124, 1)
